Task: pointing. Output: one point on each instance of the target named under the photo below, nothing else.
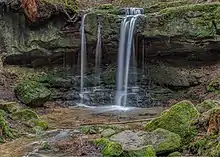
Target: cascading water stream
(98, 51)
(83, 57)
(124, 54)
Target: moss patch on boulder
(5, 130)
(9, 107)
(169, 141)
(109, 148)
(108, 132)
(193, 21)
(178, 119)
(32, 93)
(39, 123)
(175, 154)
(207, 105)
(147, 151)
(25, 115)
(214, 86)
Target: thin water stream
(98, 51)
(83, 57)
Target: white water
(124, 54)
(98, 51)
(83, 57)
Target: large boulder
(162, 140)
(32, 93)
(177, 119)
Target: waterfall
(83, 57)
(126, 48)
(98, 51)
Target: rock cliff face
(180, 40)
(27, 42)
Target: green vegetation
(171, 143)
(207, 105)
(177, 119)
(32, 93)
(109, 148)
(5, 130)
(175, 154)
(9, 107)
(214, 86)
(147, 151)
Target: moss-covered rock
(166, 141)
(207, 105)
(25, 115)
(89, 129)
(175, 154)
(206, 146)
(109, 148)
(108, 132)
(38, 122)
(9, 107)
(32, 93)
(5, 130)
(214, 86)
(147, 151)
(55, 80)
(178, 119)
(162, 140)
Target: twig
(124, 122)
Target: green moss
(106, 7)
(32, 93)
(147, 151)
(173, 12)
(207, 105)
(175, 154)
(178, 119)
(38, 122)
(108, 132)
(6, 131)
(163, 5)
(70, 4)
(214, 86)
(206, 146)
(194, 21)
(55, 80)
(9, 107)
(89, 129)
(25, 115)
(171, 143)
(109, 148)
